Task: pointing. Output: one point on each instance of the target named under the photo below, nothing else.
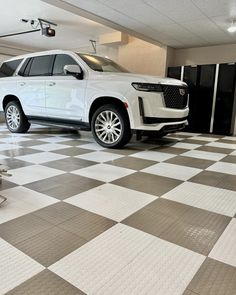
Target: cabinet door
(191, 76)
(225, 100)
(174, 72)
(205, 97)
(201, 80)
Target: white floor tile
(8, 146)
(162, 268)
(222, 145)
(14, 139)
(187, 146)
(204, 138)
(48, 147)
(16, 267)
(205, 197)
(92, 146)
(188, 133)
(153, 156)
(43, 157)
(111, 201)
(204, 155)
(103, 172)
(172, 171)
(141, 261)
(100, 157)
(230, 138)
(225, 248)
(21, 200)
(223, 167)
(55, 139)
(33, 173)
(3, 157)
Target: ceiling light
(232, 28)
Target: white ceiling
(73, 31)
(177, 23)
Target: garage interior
(159, 215)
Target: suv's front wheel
(110, 126)
(15, 118)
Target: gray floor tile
(214, 278)
(23, 228)
(215, 149)
(69, 164)
(169, 150)
(13, 163)
(132, 163)
(189, 292)
(5, 184)
(51, 245)
(87, 225)
(64, 186)
(45, 283)
(58, 213)
(19, 152)
(149, 222)
(157, 216)
(197, 230)
(190, 162)
(74, 141)
(216, 179)
(72, 151)
(33, 142)
(229, 159)
(148, 183)
(227, 141)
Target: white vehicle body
(66, 99)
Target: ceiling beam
(89, 15)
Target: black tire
(21, 124)
(120, 126)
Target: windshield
(101, 64)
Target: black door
(225, 101)
(201, 80)
(174, 72)
(191, 76)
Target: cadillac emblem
(182, 91)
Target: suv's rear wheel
(15, 118)
(110, 126)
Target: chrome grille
(173, 97)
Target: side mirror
(74, 70)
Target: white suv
(89, 92)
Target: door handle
(22, 83)
(51, 83)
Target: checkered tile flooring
(157, 217)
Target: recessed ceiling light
(232, 28)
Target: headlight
(150, 87)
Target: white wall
(204, 55)
(142, 57)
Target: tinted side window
(41, 65)
(25, 65)
(60, 61)
(8, 68)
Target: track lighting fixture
(232, 28)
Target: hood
(130, 77)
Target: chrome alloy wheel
(108, 127)
(13, 117)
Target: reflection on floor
(157, 217)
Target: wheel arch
(8, 98)
(100, 101)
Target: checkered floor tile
(157, 217)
